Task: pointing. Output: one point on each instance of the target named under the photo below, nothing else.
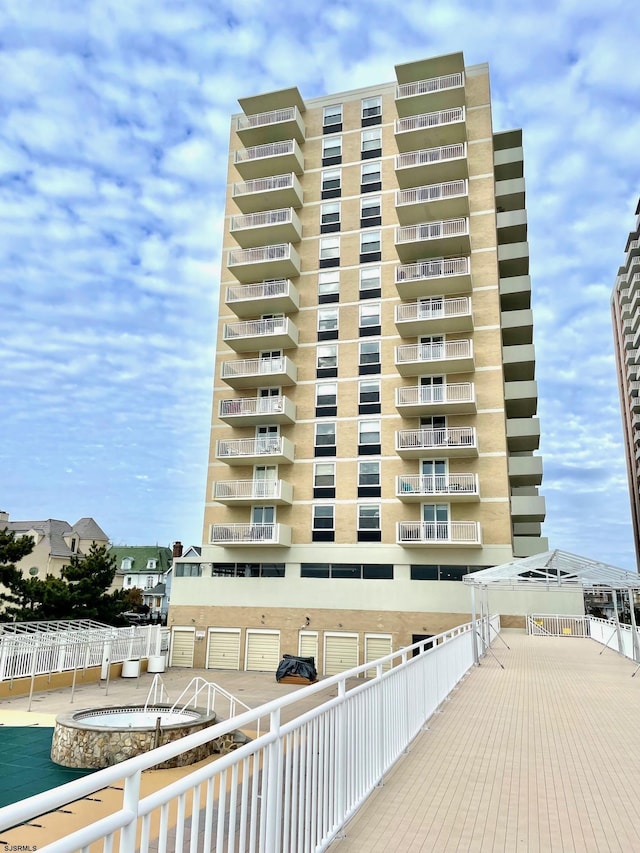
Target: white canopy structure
(555, 569)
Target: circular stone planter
(100, 737)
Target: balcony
(265, 262)
(525, 470)
(443, 127)
(450, 399)
(512, 226)
(429, 165)
(250, 411)
(513, 259)
(519, 362)
(246, 492)
(438, 93)
(508, 163)
(426, 278)
(273, 126)
(430, 443)
(267, 226)
(515, 293)
(517, 327)
(521, 399)
(450, 199)
(523, 434)
(271, 193)
(461, 534)
(510, 194)
(255, 451)
(254, 372)
(252, 335)
(446, 237)
(414, 488)
(230, 535)
(443, 357)
(528, 508)
(268, 297)
(424, 318)
(274, 158)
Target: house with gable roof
(144, 567)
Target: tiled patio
(541, 756)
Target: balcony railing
(426, 156)
(438, 532)
(259, 152)
(432, 192)
(432, 230)
(429, 438)
(262, 119)
(262, 185)
(449, 394)
(251, 328)
(279, 295)
(268, 445)
(249, 490)
(248, 406)
(432, 269)
(408, 312)
(250, 534)
(426, 87)
(436, 484)
(429, 120)
(444, 351)
(262, 219)
(281, 252)
(256, 369)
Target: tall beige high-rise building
(625, 307)
(374, 406)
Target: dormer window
(126, 564)
(151, 564)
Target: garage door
(340, 652)
(263, 651)
(377, 646)
(224, 649)
(182, 645)
(308, 645)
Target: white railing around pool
(292, 789)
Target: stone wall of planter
(76, 743)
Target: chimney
(4, 518)
(177, 549)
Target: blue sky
(114, 124)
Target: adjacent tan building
(374, 407)
(625, 307)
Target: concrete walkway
(541, 756)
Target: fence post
(274, 786)
(130, 800)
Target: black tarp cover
(291, 665)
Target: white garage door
(340, 652)
(224, 649)
(377, 646)
(308, 645)
(263, 651)
(182, 645)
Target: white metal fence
(615, 635)
(290, 790)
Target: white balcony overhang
(416, 488)
(268, 297)
(521, 398)
(251, 335)
(420, 204)
(266, 227)
(528, 508)
(523, 434)
(429, 165)
(271, 193)
(445, 237)
(442, 127)
(248, 492)
(271, 126)
(525, 470)
(425, 317)
(433, 443)
(460, 534)
(436, 93)
(519, 362)
(250, 411)
(263, 535)
(450, 399)
(444, 357)
(256, 372)
(266, 262)
(246, 451)
(443, 276)
(273, 158)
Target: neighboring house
(144, 567)
(55, 542)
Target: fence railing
(432, 269)
(427, 120)
(440, 351)
(269, 149)
(440, 532)
(262, 119)
(434, 84)
(426, 438)
(435, 484)
(432, 230)
(458, 392)
(614, 635)
(433, 192)
(426, 156)
(291, 789)
(459, 306)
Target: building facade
(374, 424)
(625, 308)
(144, 567)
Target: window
(327, 324)
(324, 474)
(371, 111)
(188, 570)
(151, 564)
(371, 177)
(369, 361)
(331, 183)
(328, 286)
(369, 436)
(369, 523)
(327, 361)
(331, 150)
(370, 211)
(369, 485)
(128, 581)
(370, 283)
(126, 564)
(370, 246)
(323, 523)
(369, 397)
(330, 217)
(371, 143)
(325, 439)
(248, 570)
(435, 518)
(424, 573)
(366, 571)
(326, 399)
(329, 251)
(370, 318)
(332, 118)
(149, 582)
